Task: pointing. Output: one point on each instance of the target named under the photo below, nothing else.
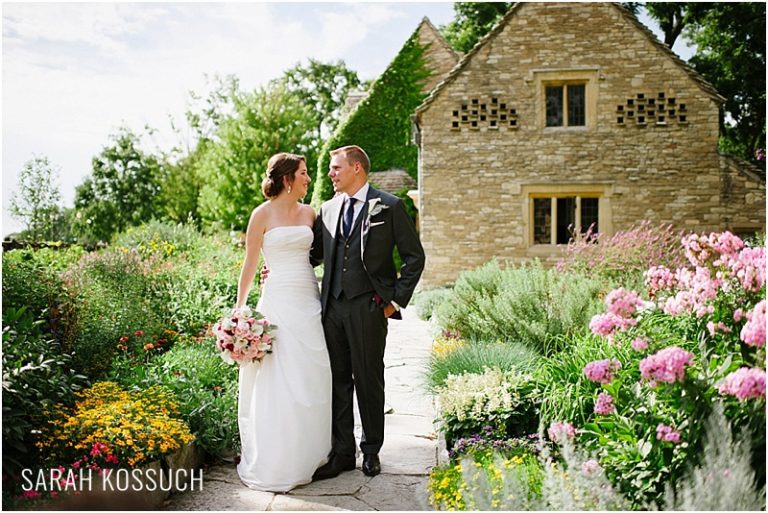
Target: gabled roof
(705, 86)
(439, 36)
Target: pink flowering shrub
(601, 371)
(701, 335)
(744, 384)
(753, 332)
(560, 431)
(668, 365)
(625, 254)
(604, 404)
(667, 434)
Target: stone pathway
(409, 452)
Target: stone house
(568, 115)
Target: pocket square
(377, 224)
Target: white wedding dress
(284, 407)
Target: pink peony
(738, 314)
(604, 404)
(753, 332)
(668, 365)
(639, 344)
(667, 434)
(601, 371)
(744, 383)
(559, 431)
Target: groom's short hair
(354, 154)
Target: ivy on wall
(381, 123)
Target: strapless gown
(284, 402)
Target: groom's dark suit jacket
(390, 227)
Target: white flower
(227, 324)
(257, 329)
(375, 207)
(263, 346)
(241, 343)
(226, 357)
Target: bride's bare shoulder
(308, 211)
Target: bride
(284, 405)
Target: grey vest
(349, 274)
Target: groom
(355, 235)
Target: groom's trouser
(355, 332)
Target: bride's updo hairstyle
(278, 167)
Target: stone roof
(392, 180)
(705, 86)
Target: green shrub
(527, 304)
(475, 358)
(202, 283)
(566, 393)
(112, 294)
(35, 373)
(427, 301)
(725, 479)
(31, 279)
(159, 238)
(204, 387)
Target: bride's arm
(253, 240)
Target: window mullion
(553, 225)
(565, 105)
(577, 221)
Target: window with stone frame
(566, 98)
(565, 104)
(557, 216)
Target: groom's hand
(389, 310)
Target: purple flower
(668, 365)
(639, 344)
(604, 404)
(744, 383)
(667, 434)
(753, 332)
(601, 371)
(623, 303)
(559, 431)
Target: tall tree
(674, 17)
(471, 22)
(324, 87)
(262, 123)
(730, 41)
(122, 190)
(37, 202)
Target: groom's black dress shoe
(371, 464)
(335, 466)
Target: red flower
(138, 333)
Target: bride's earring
(289, 189)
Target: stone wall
(476, 183)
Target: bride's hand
(264, 274)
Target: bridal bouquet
(243, 336)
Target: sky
(73, 73)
